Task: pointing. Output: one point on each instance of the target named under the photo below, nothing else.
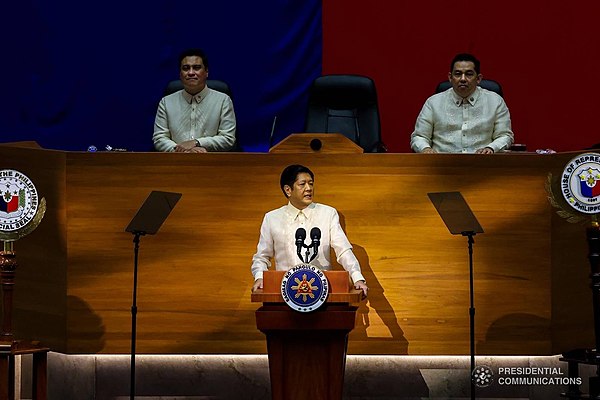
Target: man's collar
(472, 99)
(196, 97)
(293, 211)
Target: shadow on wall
(378, 303)
(86, 326)
(393, 342)
(516, 328)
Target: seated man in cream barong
(465, 118)
(196, 119)
(277, 233)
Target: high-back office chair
(485, 83)
(214, 84)
(346, 104)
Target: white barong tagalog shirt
(207, 117)
(278, 240)
(450, 124)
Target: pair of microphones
(315, 236)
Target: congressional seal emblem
(304, 288)
(579, 185)
(21, 209)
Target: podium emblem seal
(21, 209)
(304, 288)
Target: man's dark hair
(465, 57)
(290, 173)
(191, 53)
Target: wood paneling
(74, 283)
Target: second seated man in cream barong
(465, 118)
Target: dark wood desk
(8, 351)
(75, 271)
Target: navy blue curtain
(82, 73)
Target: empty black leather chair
(346, 104)
(485, 83)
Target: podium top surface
(354, 296)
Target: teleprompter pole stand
(147, 221)
(588, 356)
(136, 248)
(459, 219)
(593, 238)
(470, 235)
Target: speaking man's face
(463, 78)
(193, 74)
(301, 194)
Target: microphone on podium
(300, 236)
(315, 235)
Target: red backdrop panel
(544, 54)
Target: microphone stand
(299, 252)
(470, 241)
(315, 247)
(136, 247)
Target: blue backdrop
(86, 73)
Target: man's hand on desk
(197, 150)
(258, 284)
(428, 150)
(186, 146)
(362, 285)
(485, 150)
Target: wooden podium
(316, 143)
(307, 351)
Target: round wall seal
(580, 183)
(304, 288)
(18, 200)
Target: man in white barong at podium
(278, 231)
